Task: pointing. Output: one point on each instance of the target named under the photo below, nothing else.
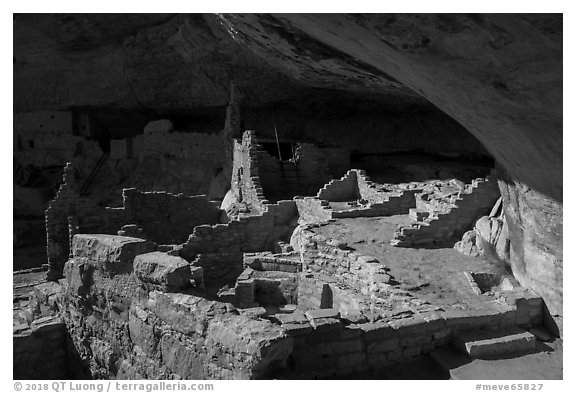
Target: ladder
(90, 179)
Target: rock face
(498, 75)
(527, 234)
(161, 269)
(534, 224)
(159, 61)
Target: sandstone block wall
(338, 345)
(43, 141)
(331, 262)
(259, 177)
(320, 291)
(246, 185)
(122, 329)
(178, 162)
(355, 185)
(266, 288)
(313, 210)
(341, 190)
(302, 176)
(445, 228)
(247, 234)
(168, 218)
(163, 217)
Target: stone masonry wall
(250, 234)
(179, 161)
(259, 177)
(167, 218)
(377, 200)
(341, 190)
(123, 329)
(164, 218)
(327, 344)
(332, 262)
(302, 176)
(313, 210)
(446, 228)
(340, 340)
(218, 248)
(245, 183)
(68, 213)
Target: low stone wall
(313, 210)
(342, 269)
(327, 344)
(376, 199)
(247, 234)
(123, 329)
(319, 291)
(266, 288)
(445, 228)
(397, 203)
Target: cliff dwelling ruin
(250, 196)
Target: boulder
(109, 252)
(163, 269)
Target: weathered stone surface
(162, 269)
(182, 359)
(44, 291)
(322, 313)
(109, 252)
(534, 223)
(491, 344)
(467, 245)
(142, 330)
(264, 343)
(47, 324)
(79, 275)
(297, 317)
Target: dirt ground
(435, 275)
